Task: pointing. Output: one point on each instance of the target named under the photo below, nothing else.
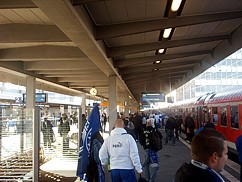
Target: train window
(215, 115)
(234, 118)
(223, 115)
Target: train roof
(184, 103)
(232, 96)
(205, 98)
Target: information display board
(39, 98)
(148, 98)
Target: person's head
(119, 123)
(210, 148)
(126, 121)
(148, 122)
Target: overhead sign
(148, 98)
(39, 98)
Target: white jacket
(121, 149)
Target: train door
(223, 116)
(234, 117)
(202, 115)
(215, 115)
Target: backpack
(155, 139)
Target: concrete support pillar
(112, 101)
(30, 92)
(102, 108)
(132, 106)
(83, 105)
(126, 105)
(34, 138)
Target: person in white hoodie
(120, 149)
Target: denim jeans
(119, 175)
(149, 172)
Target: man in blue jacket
(238, 144)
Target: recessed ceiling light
(167, 32)
(157, 61)
(161, 51)
(175, 5)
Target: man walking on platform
(121, 150)
(209, 155)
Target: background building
(224, 76)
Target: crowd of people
(120, 152)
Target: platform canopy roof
(80, 44)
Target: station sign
(148, 98)
(39, 98)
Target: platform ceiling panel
(62, 41)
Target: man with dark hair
(189, 126)
(209, 155)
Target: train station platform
(171, 158)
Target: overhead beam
(19, 67)
(147, 82)
(89, 75)
(82, 79)
(22, 33)
(72, 23)
(103, 87)
(142, 79)
(68, 72)
(163, 57)
(152, 74)
(82, 2)
(89, 84)
(42, 52)
(15, 4)
(161, 66)
(57, 65)
(138, 48)
(117, 30)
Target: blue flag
(91, 127)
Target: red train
(223, 109)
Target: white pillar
(126, 106)
(34, 138)
(131, 106)
(102, 108)
(83, 105)
(112, 101)
(30, 92)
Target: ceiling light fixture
(161, 51)
(157, 61)
(175, 5)
(167, 32)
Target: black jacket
(191, 173)
(145, 137)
